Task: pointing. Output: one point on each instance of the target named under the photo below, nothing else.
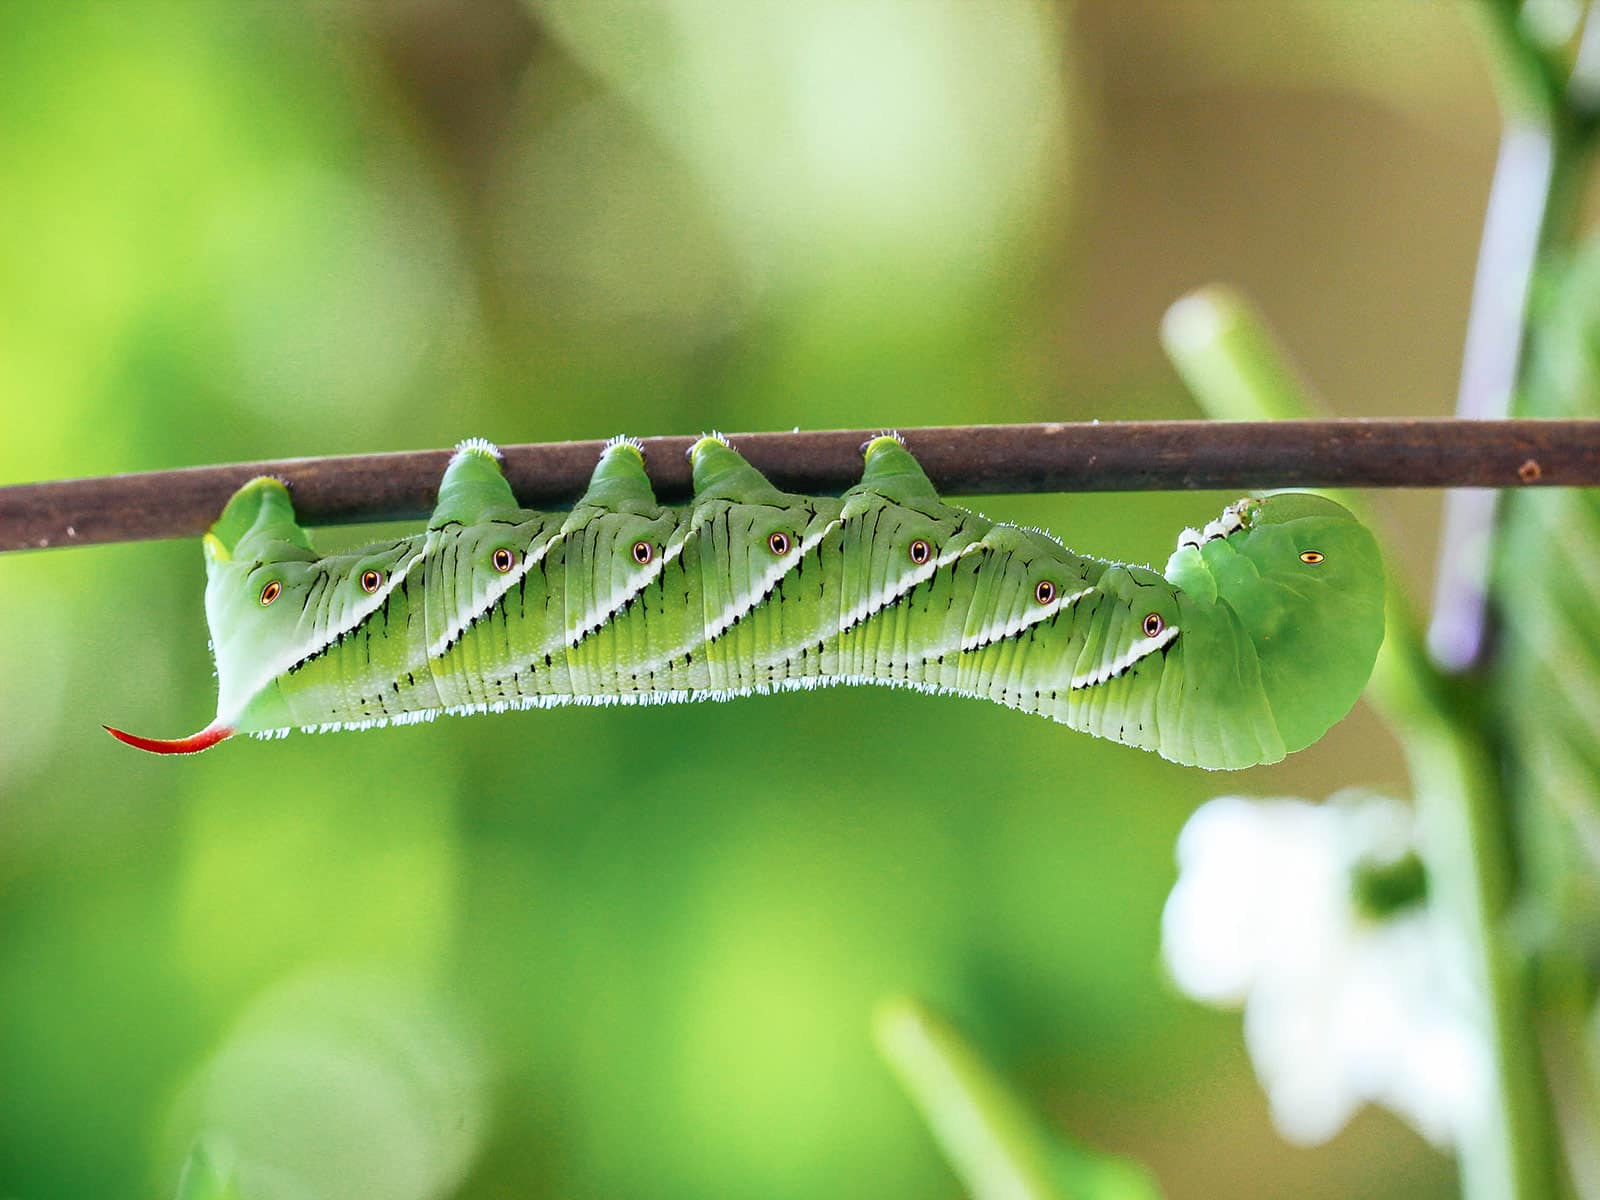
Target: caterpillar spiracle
(1258, 636)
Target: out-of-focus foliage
(242, 231)
(1548, 600)
(337, 1085)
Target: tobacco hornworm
(1258, 637)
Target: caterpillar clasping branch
(1258, 636)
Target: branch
(977, 459)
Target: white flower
(1342, 1005)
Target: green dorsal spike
(721, 473)
(472, 487)
(259, 514)
(892, 472)
(619, 482)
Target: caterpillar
(1259, 635)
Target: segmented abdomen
(723, 598)
(747, 589)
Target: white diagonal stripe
(1017, 624)
(770, 578)
(1125, 660)
(882, 597)
(502, 585)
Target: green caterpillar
(1259, 637)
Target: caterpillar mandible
(1259, 635)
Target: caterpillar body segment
(1259, 635)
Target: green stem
(1218, 342)
(1532, 214)
(209, 1173)
(1471, 873)
(996, 1144)
(1533, 221)
(1528, 80)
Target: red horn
(192, 744)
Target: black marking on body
(310, 592)
(500, 601)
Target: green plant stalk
(209, 1173)
(1534, 205)
(1540, 98)
(1532, 216)
(1227, 355)
(996, 1144)
(1526, 76)
(1471, 870)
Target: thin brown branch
(961, 460)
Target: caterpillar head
(1305, 579)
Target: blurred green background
(635, 954)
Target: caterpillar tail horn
(192, 744)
